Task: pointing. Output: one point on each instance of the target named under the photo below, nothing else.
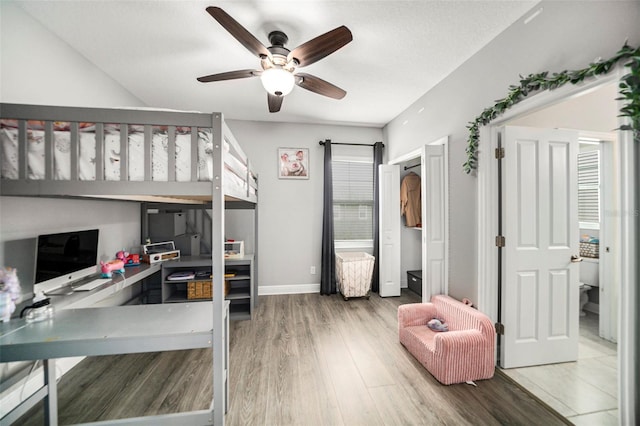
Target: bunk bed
(126, 154)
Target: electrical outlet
(313, 270)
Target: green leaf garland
(629, 91)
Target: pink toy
(127, 258)
(108, 268)
(122, 255)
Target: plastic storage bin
(354, 271)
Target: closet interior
(411, 229)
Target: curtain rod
(353, 144)
(411, 167)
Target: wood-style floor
(303, 360)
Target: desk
(113, 330)
(64, 298)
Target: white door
(389, 262)
(540, 285)
(434, 219)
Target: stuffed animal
(437, 324)
(10, 292)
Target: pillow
(437, 324)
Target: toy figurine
(108, 268)
(128, 259)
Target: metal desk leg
(51, 400)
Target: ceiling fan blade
(275, 102)
(238, 31)
(231, 75)
(318, 85)
(321, 46)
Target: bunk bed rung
(97, 158)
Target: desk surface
(106, 331)
(65, 298)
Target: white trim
(353, 244)
(416, 153)
(487, 207)
(427, 292)
(445, 142)
(548, 98)
(272, 290)
(589, 225)
(627, 325)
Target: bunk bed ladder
(199, 221)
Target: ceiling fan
(280, 65)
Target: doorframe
(609, 235)
(487, 229)
(421, 154)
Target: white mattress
(234, 174)
(87, 154)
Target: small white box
(234, 249)
(159, 252)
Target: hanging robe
(410, 200)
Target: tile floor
(585, 391)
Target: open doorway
(424, 248)
(585, 390)
(549, 105)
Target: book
(181, 275)
(203, 274)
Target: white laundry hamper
(354, 271)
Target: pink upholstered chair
(465, 352)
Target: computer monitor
(65, 257)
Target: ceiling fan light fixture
(277, 81)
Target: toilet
(589, 278)
(584, 297)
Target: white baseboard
(271, 290)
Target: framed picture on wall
(293, 163)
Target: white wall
(37, 67)
(595, 111)
(566, 35)
(290, 211)
(22, 219)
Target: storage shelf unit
(240, 286)
(240, 293)
(175, 291)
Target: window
(352, 200)
(589, 185)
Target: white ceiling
(400, 50)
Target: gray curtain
(328, 267)
(377, 160)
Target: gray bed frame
(207, 192)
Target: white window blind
(352, 200)
(589, 187)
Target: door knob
(576, 259)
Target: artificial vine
(629, 91)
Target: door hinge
(499, 153)
(500, 328)
(500, 242)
